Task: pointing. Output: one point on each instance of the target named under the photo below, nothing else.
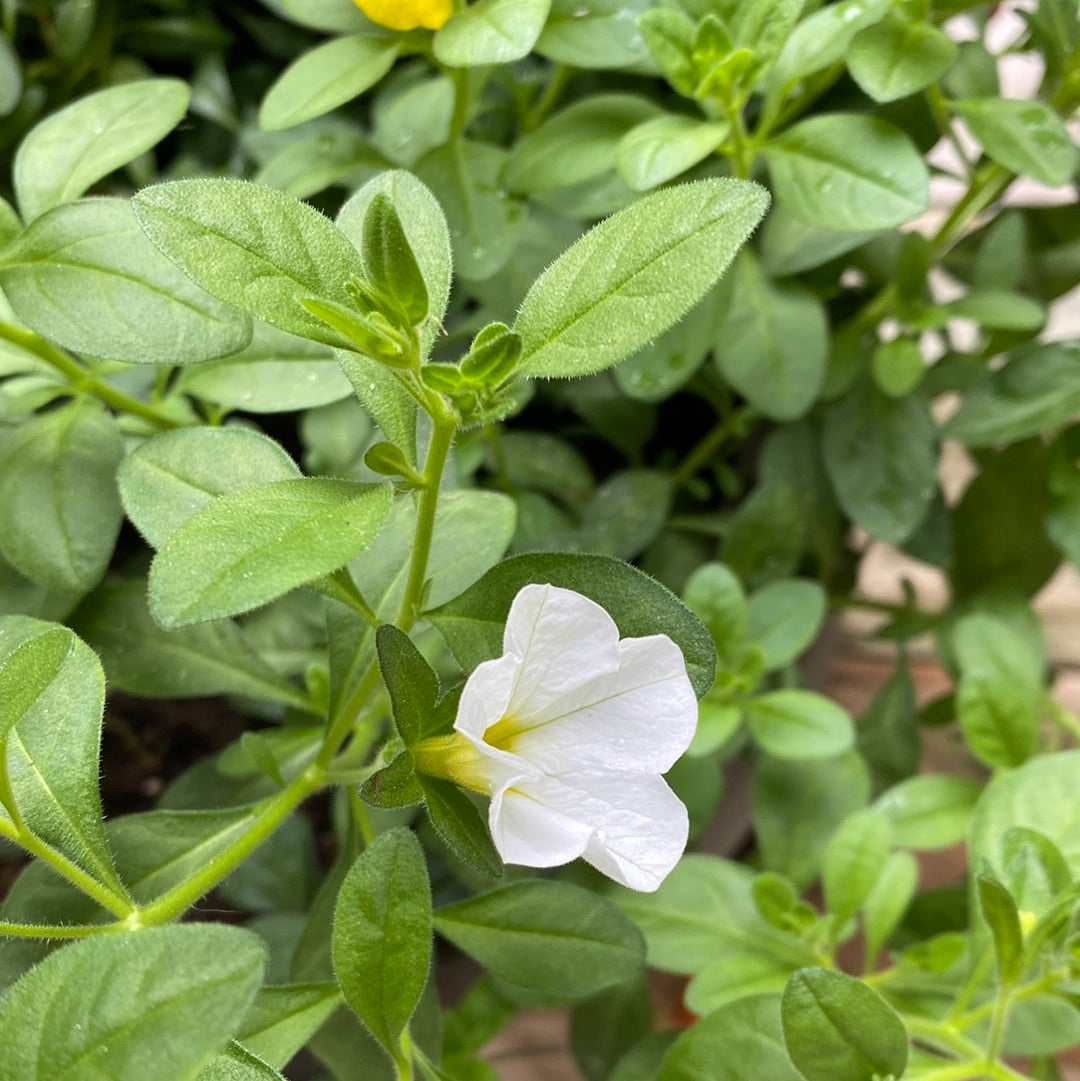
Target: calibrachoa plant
(490, 390)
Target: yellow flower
(407, 14)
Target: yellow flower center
(407, 14)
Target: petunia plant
(440, 442)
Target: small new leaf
(410, 681)
(390, 261)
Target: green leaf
(382, 935)
(998, 538)
(999, 309)
(410, 681)
(236, 1064)
(327, 76)
(798, 724)
(1062, 513)
(51, 739)
(773, 345)
(490, 32)
(84, 276)
(660, 149)
(72, 149)
(847, 172)
(838, 1029)
(853, 862)
(470, 534)
(704, 908)
(790, 246)
(1035, 870)
(174, 997)
(1027, 137)
(715, 596)
(602, 35)
(602, 1028)
(544, 938)
(460, 826)
(881, 456)
(887, 734)
(1041, 796)
(932, 811)
(823, 38)
(738, 1042)
(425, 229)
(999, 911)
(895, 58)
(632, 276)
(275, 373)
(1038, 388)
(484, 221)
(260, 250)
(783, 618)
(390, 261)
(165, 480)
(248, 547)
(887, 901)
(626, 513)
(157, 850)
(282, 1018)
(61, 511)
(797, 805)
(473, 623)
(999, 695)
(734, 976)
(143, 659)
(898, 366)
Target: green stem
(943, 1036)
(275, 810)
(979, 971)
(460, 116)
(940, 111)
(742, 152)
(82, 379)
(997, 1023)
(708, 445)
(560, 76)
(442, 436)
(55, 931)
(108, 898)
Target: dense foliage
(364, 329)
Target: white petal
(562, 640)
(528, 832)
(638, 719)
(631, 828)
(485, 696)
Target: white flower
(569, 732)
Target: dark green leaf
(999, 911)
(473, 622)
(410, 681)
(547, 939)
(382, 935)
(460, 826)
(881, 455)
(838, 1029)
(741, 1041)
